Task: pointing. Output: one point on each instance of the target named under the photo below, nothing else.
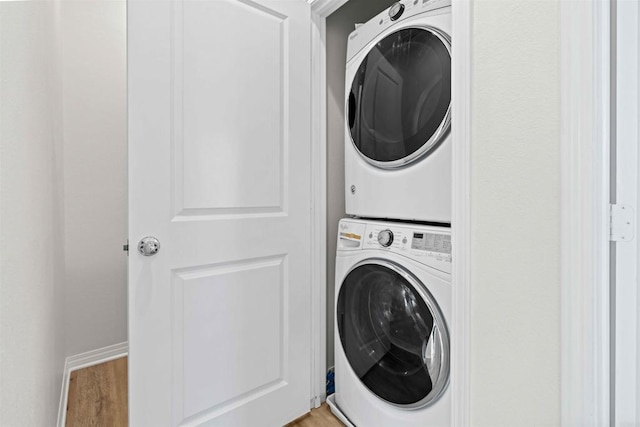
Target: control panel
(406, 8)
(426, 244)
(413, 241)
(420, 242)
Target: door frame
(585, 224)
(461, 131)
(625, 329)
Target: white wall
(62, 269)
(339, 25)
(95, 173)
(515, 214)
(31, 248)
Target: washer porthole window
(393, 334)
(399, 104)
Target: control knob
(396, 10)
(385, 238)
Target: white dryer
(393, 299)
(398, 114)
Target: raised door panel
(211, 335)
(231, 107)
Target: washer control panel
(426, 244)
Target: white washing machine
(398, 114)
(393, 299)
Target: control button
(396, 10)
(371, 235)
(385, 238)
(404, 241)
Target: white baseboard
(84, 360)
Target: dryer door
(399, 105)
(393, 334)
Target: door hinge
(621, 223)
(125, 247)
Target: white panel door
(219, 172)
(627, 163)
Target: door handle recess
(432, 354)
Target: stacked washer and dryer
(393, 262)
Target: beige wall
(31, 305)
(95, 174)
(339, 25)
(515, 215)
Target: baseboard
(84, 360)
(335, 410)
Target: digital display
(432, 242)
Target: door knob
(149, 246)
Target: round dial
(396, 10)
(385, 238)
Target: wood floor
(98, 397)
(319, 417)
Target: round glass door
(399, 103)
(393, 334)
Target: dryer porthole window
(399, 103)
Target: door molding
(320, 9)
(461, 129)
(625, 101)
(462, 72)
(584, 311)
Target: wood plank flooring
(98, 397)
(318, 417)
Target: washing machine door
(393, 334)
(399, 105)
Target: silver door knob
(149, 246)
